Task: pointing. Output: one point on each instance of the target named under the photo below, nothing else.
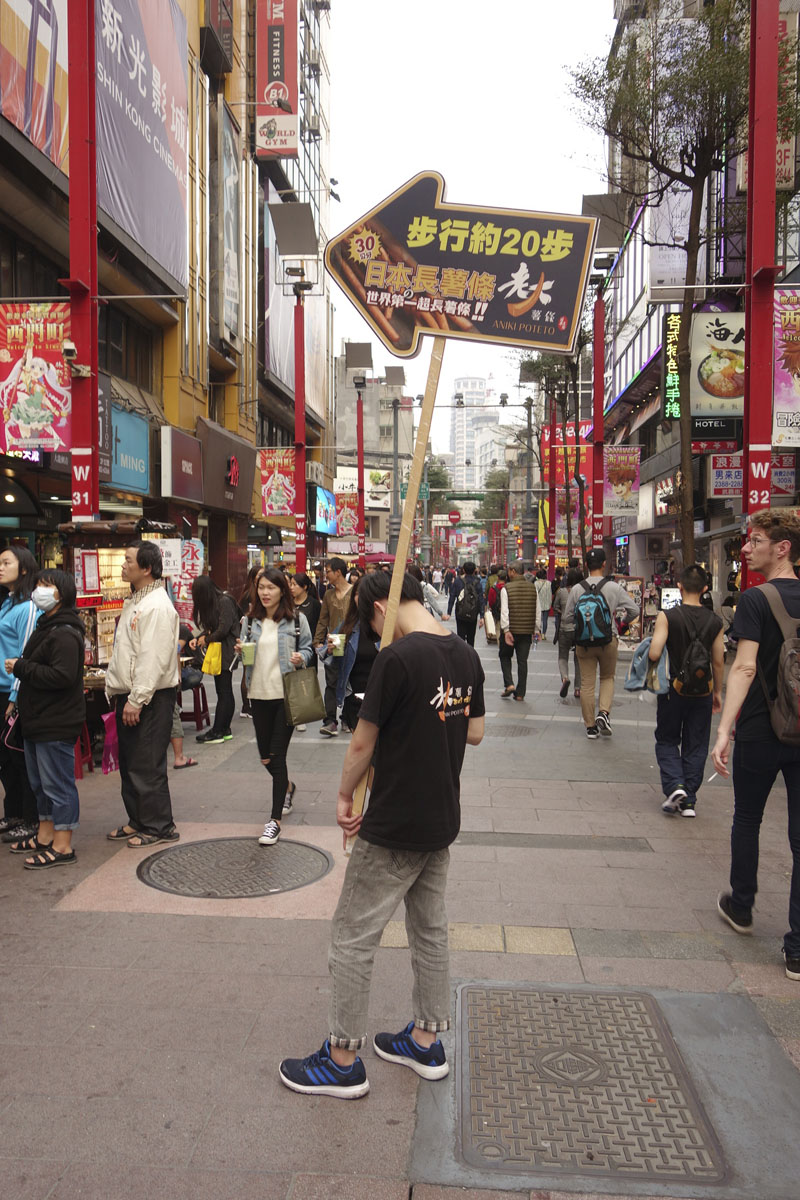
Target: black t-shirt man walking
(683, 723)
(423, 706)
(772, 547)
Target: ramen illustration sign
(416, 265)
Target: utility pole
(395, 519)
(528, 523)
(425, 541)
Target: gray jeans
(375, 882)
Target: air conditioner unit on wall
(314, 473)
(657, 545)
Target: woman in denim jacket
(271, 625)
(359, 654)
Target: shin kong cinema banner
(142, 125)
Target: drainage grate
(234, 868)
(587, 1083)
(506, 731)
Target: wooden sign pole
(407, 525)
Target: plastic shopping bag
(110, 744)
(212, 663)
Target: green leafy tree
(439, 482)
(672, 98)
(495, 498)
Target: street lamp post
(528, 523)
(359, 383)
(395, 519)
(301, 286)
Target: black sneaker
(210, 737)
(792, 964)
(288, 803)
(592, 732)
(674, 801)
(429, 1062)
(330, 729)
(319, 1075)
(7, 823)
(742, 922)
(564, 689)
(19, 831)
(603, 722)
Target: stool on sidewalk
(201, 715)
(83, 752)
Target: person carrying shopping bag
(274, 640)
(217, 614)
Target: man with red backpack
(759, 687)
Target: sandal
(139, 840)
(49, 858)
(121, 835)
(28, 845)
(190, 762)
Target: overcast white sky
(478, 91)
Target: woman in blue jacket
(283, 643)
(18, 617)
(360, 653)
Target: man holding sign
(423, 705)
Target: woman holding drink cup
(269, 647)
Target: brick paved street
(141, 1030)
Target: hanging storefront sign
(277, 128)
(230, 206)
(142, 125)
(377, 487)
(416, 265)
(574, 505)
(181, 465)
(276, 468)
(725, 475)
(35, 381)
(227, 484)
(670, 380)
(347, 513)
(130, 457)
(192, 557)
(786, 376)
(716, 376)
(667, 495)
(621, 480)
(569, 459)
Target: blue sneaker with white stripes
(429, 1062)
(319, 1075)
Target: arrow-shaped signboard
(415, 265)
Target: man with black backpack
(696, 650)
(467, 596)
(762, 683)
(591, 607)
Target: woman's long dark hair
(351, 616)
(25, 582)
(285, 610)
(249, 590)
(206, 596)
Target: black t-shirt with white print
(754, 622)
(421, 693)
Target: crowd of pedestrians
(421, 700)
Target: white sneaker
(272, 831)
(300, 728)
(672, 804)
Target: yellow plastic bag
(212, 663)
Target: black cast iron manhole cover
(234, 868)
(579, 1083)
(504, 731)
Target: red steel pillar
(82, 283)
(362, 534)
(598, 395)
(299, 431)
(760, 260)
(551, 516)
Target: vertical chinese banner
(347, 513)
(670, 379)
(277, 482)
(35, 381)
(786, 376)
(621, 480)
(191, 567)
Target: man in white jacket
(141, 683)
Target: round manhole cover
(234, 868)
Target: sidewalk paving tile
(81, 1181)
(26, 1180)
(689, 975)
(524, 939)
(348, 1187)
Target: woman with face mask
(18, 617)
(52, 709)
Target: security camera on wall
(69, 350)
